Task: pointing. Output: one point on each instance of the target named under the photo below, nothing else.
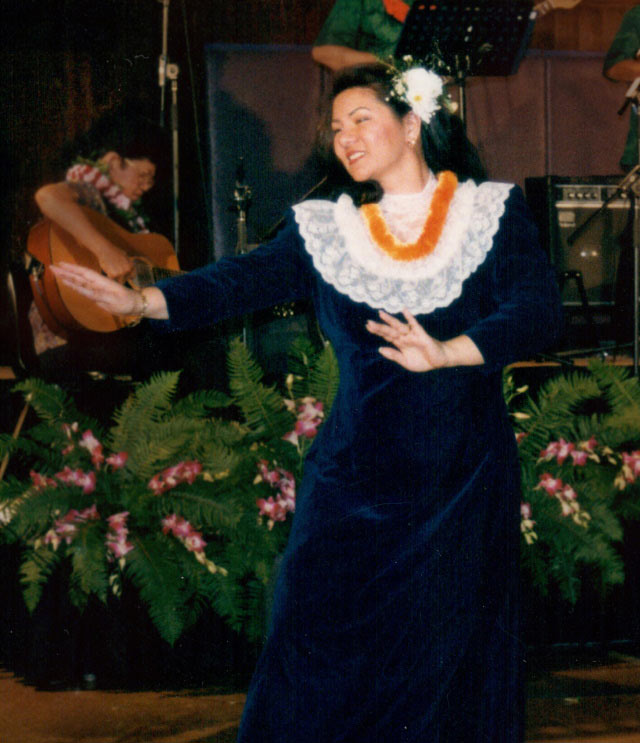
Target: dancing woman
(396, 607)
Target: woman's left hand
(412, 347)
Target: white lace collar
(337, 239)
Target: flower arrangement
(186, 508)
(579, 444)
(191, 509)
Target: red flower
(84, 480)
(117, 461)
(172, 476)
(549, 483)
(93, 446)
(40, 482)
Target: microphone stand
(170, 71)
(172, 74)
(242, 199)
(162, 61)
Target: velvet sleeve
(526, 314)
(276, 272)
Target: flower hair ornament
(422, 89)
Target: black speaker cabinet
(562, 207)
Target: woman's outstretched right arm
(111, 295)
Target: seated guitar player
(109, 170)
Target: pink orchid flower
(270, 476)
(194, 542)
(306, 427)
(589, 445)
(118, 521)
(40, 482)
(89, 514)
(549, 483)
(182, 528)
(579, 457)
(271, 508)
(169, 523)
(174, 475)
(117, 461)
(84, 480)
(120, 547)
(93, 446)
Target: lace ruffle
(336, 238)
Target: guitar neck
(165, 273)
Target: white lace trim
(337, 239)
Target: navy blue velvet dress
(396, 610)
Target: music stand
(486, 38)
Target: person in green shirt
(622, 64)
(359, 32)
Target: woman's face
(369, 139)
(135, 177)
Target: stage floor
(574, 696)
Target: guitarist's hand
(110, 295)
(115, 263)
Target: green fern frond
(200, 508)
(324, 377)
(199, 404)
(262, 407)
(145, 406)
(88, 563)
(620, 389)
(301, 358)
(553, 413)
(158, 580)
(161, 443)
(50, 401)
(35, 571)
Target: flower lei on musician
(96, 174)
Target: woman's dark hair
(444, 141)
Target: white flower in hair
(422, 91)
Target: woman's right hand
(107, 293)
(110, 295)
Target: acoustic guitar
(62, 308)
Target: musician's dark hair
(126, 129)
(444, 141)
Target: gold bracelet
(143, 309)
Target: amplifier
(579, 234)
